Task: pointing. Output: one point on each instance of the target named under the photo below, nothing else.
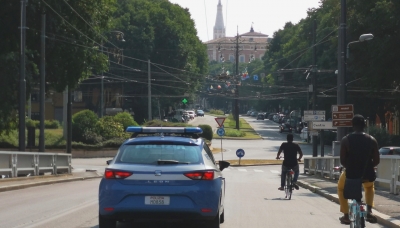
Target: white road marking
(242, 170)
(258, 171)
(275, 171)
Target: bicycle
(357, 209)
(289, 184)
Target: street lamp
(363, 37)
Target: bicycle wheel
(289, 186)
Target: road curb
(41, 183)
(382, 218)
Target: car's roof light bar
(176, 130)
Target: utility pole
(69, 122)
(149, 90)
(341, 80)
(237, 84)
(102, 87)
(42, 83)
(314, 83)
(22, 82)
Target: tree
(164, 33)
(72, 46)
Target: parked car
(300, 126)
(271, 116)
(169, 174)
(261, 116)
(304, 134)
(389, 150)
(191, 114)
(200, 113)
(254, 114)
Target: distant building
(252, 45)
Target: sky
(268, 16)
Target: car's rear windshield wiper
(167, 162)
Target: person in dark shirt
(290, 150)
(358, 155)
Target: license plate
(156, 200)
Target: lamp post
(120, 36)
(363, 37)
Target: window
(208, 153)
(151, 153)
(231, 58)
(241, 59)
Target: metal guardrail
(14, 164)
(387, 173)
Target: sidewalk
(10, 184)
(387, 206)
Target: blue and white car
(170, 174)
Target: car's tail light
(291, 172)
(113, 174)
(206, 175)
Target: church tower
(219, 28)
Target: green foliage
(159, 123)
(234, 133)
(83, 122)
(207, 132)
(216, 112)
(113, 143)
(165, 33)
(125, 119)
(108, 128)
(68, 62)
(51, 124)
(32, 123)
(381, 136)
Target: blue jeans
(284, 171)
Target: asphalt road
(266, 148)
(252, 200)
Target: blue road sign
(240, 153)
(221, 132)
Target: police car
(169, 174)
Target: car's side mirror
(223, 165)
(109, 161)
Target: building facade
(252, 45)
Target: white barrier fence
(14, 164)
(387, 173)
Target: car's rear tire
(107, 223)
(214, 223)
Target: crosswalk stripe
(242, 170)
(258, 171)
(275, 171)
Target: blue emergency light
(176, 130)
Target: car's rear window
(384, 151)
(150, 154)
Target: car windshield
(384, 151)
(152, 154)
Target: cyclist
(354, 154)
(290, 150)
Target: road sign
(220, 120)
(314, 117)
(322, 125)
(342, 123)
(342, 115)
(314, 112)
(342, 108)
(221, 132)
(240, 153)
